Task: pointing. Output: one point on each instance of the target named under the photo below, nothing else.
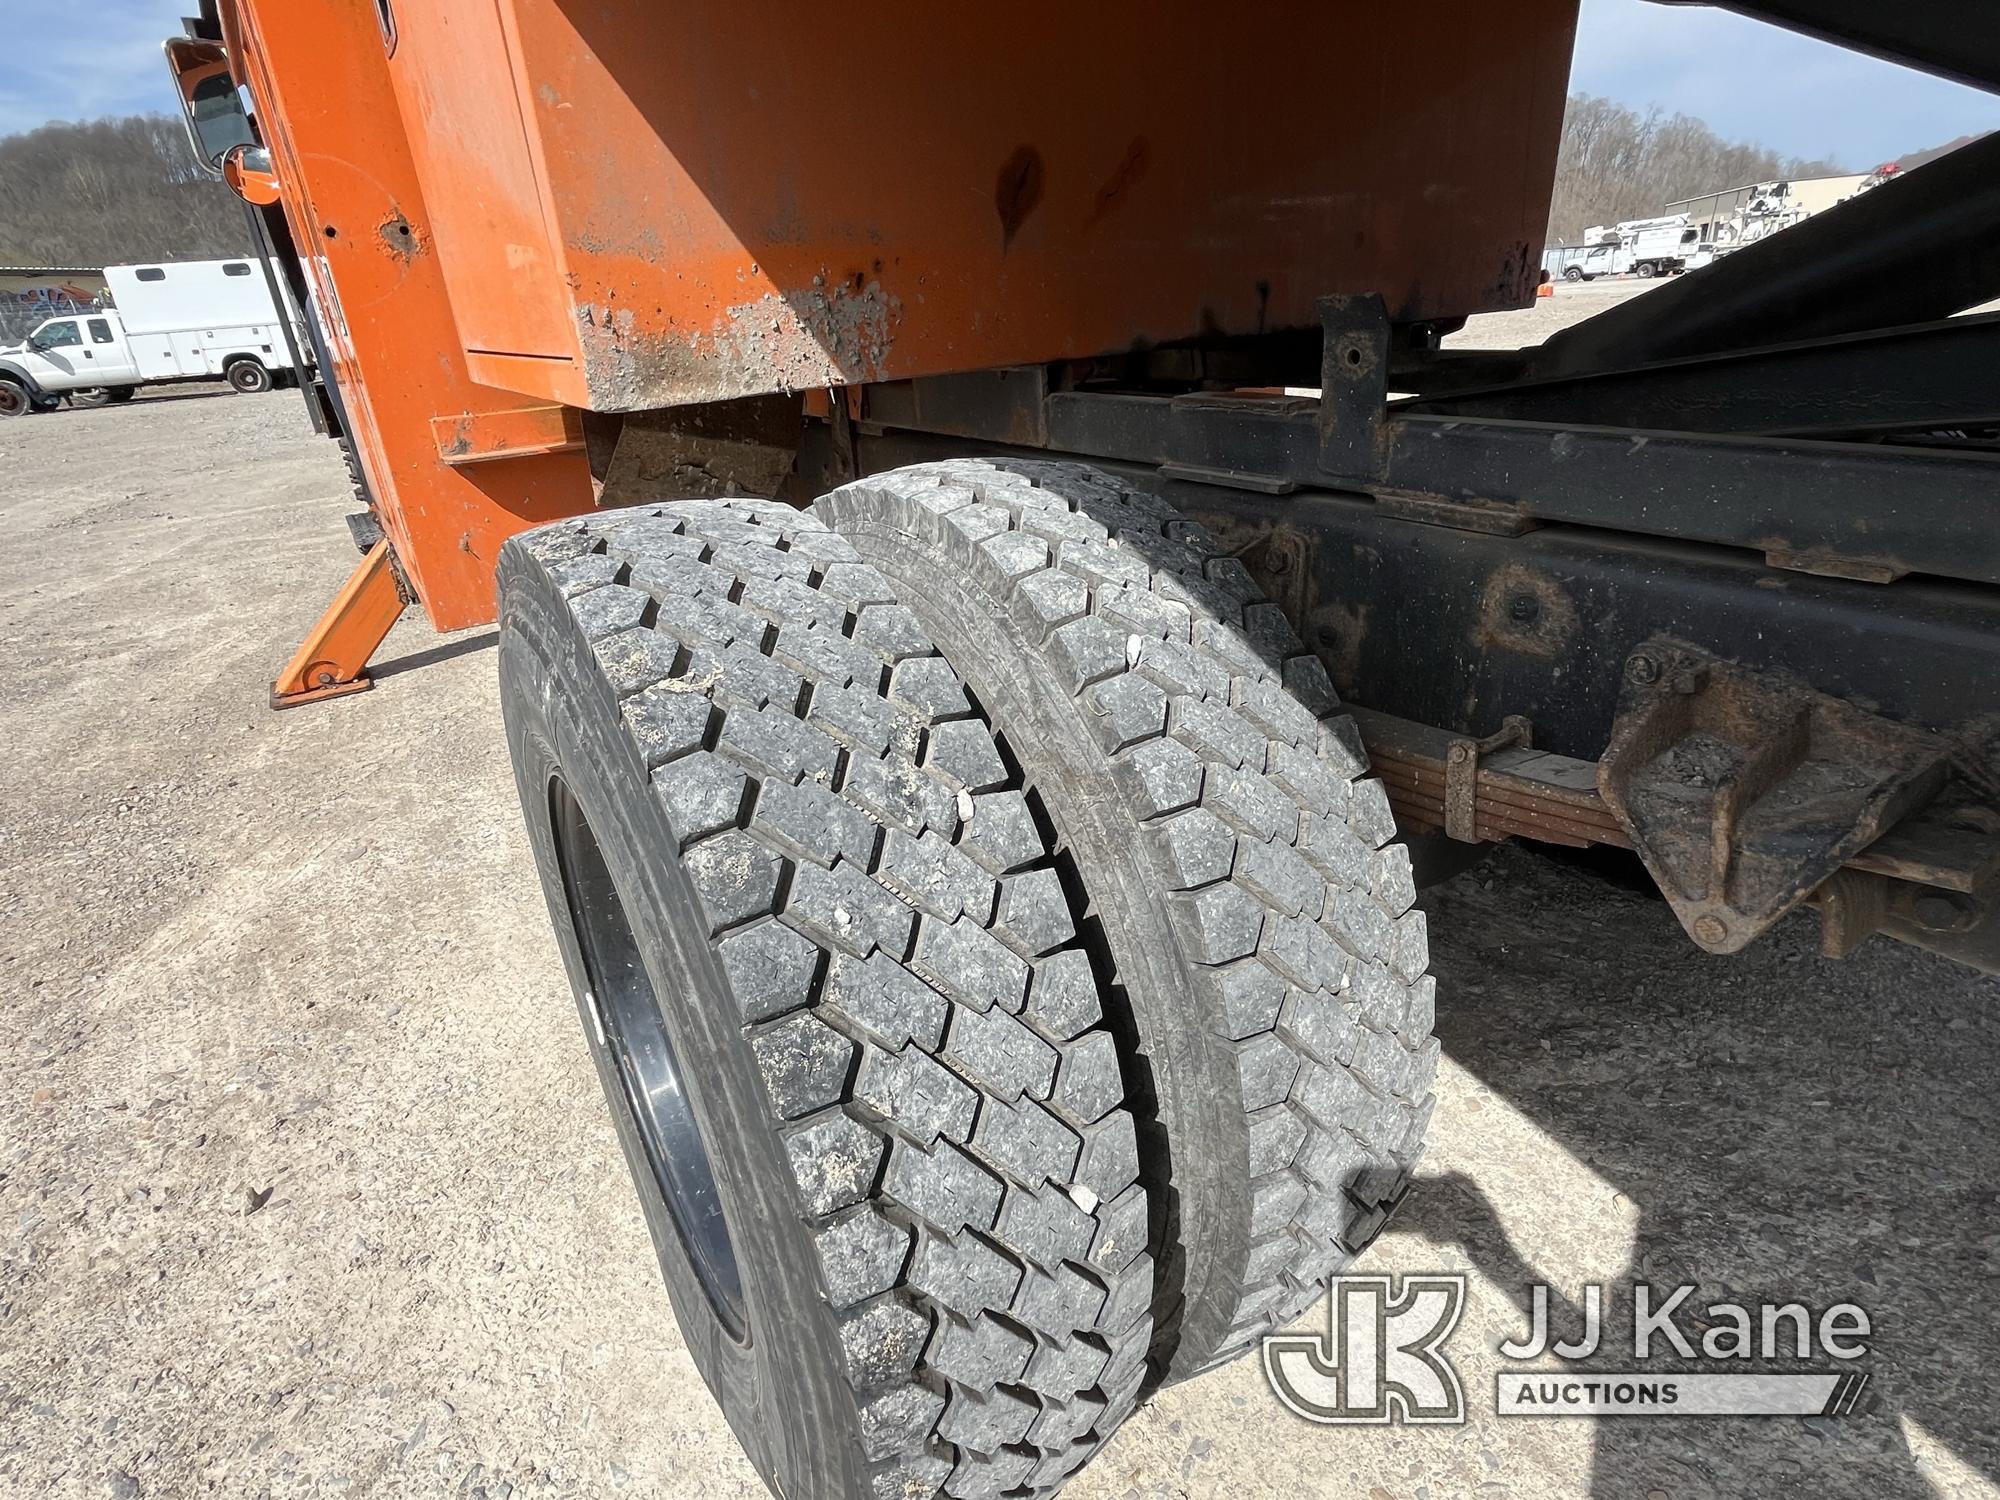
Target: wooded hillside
(111, 192)
(1619, 163)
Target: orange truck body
(514, 211)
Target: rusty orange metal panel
(742, 199)
(481, 437)
(318, 75)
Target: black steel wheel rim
(633, 1034)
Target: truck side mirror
(210, 104)
(247, 170)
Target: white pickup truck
(180, 320)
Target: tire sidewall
(249, 378)
(14, 400)
(784, 1394)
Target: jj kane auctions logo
(1382, 1357)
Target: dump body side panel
(641, 206)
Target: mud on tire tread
(1290, 905)
(925, 1026)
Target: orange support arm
(334, 658)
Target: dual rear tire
(991, 946)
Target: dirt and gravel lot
(307, 1187)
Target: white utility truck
(1642, 247)
(1658, 247)
(1586, 262)
(178, 320)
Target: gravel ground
(307, 1187)
(1572, 303)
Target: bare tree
(1617, 163)
(110, 192)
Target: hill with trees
(110, 192)
(1620, 163)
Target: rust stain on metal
(1337, 636)
(400, 238)
(1515, 793)
(1124, 177)
(1518, 274)
(1524, 611)
(1461, 774)
(1018, 191)
(837, 331)
(1824, 562)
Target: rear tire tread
(1291, 902)
(924, 1046)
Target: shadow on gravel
(151, 398)
(430, 656)
(1791, 1128)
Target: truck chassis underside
(1767, 486)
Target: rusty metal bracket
(1933, 879)
(482, 436)
(1461, 774)
(1744, 791)
(1354, 386)
(1852, 906)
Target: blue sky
(1750, 81)
(76, 62)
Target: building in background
(28, 294)
(84, 284)
(1740, 215)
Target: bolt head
(1939, 911)
(1642, 669)
(1709, 931)
(1523, 608)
